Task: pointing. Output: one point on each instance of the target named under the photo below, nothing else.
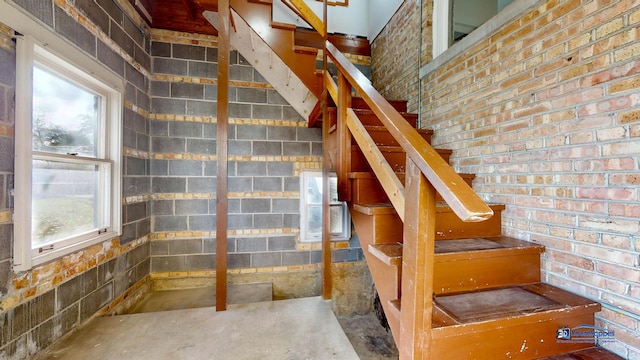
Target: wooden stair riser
(368, 190)
(382, 137)
(396, 158)
(527, 340)
(448, 226)
(368, 117)
(399, 105)
(380, 229)
(469, 274)
(360, 107)
(466, 271)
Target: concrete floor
(160, 327)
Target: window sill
(508, 14)
(64, 251)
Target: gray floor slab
(202, 297)
(288, 329)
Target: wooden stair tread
(283, 26)
(444, 208)
(390, 254)
(480, 244)
(493, 304)
(367, 112)
(513, 304)
(305, 49)
(375, 209)
(370, 175)
(382, 128)
(387, 208)
(398, 149)
(399, 105)
(264, 2)
(460, 249)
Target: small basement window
(68, 126)
(455, 19)
(311, 209)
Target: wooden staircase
(451, 285)
(488, 299)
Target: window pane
(64, 201)
(467, 15)
(65, 115)
(336, 219)
(314, 189)
(333, 189)
(315, 219)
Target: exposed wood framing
(327, 281)
(344, 138)
(221, 151)
(191, 8)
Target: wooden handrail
(305, 12)
(464, 202)
(295, 10)
(331, 86)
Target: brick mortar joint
(175, 235)
(27, 285)
(232, 121)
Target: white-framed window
(455, 19)
(67, 153)
(311, 209)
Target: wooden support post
(221, 151)
(417, 265)
(344, 138)
(327, 283)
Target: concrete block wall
(269, 145)
(39, 306)
(7, 121)
(545, 111)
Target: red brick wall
(394, 56)
(547, 113)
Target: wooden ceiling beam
(191, 8)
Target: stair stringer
(253, 48)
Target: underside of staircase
(485, 298)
